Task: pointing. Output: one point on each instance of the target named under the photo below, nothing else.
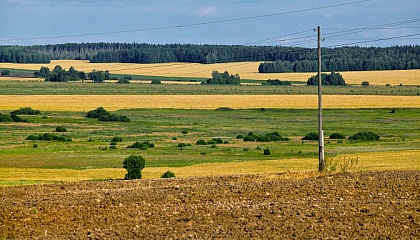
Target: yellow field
(115, 102)
(376, 161)
(247, 70)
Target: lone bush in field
(365, 84)
(116, 139)
(142, 145)
(60, 129)
(267, 151)
(99, 112)
(156, 81)
(337, 136)
(311, 136)
(365, 136)
(134, 164)
(26, 111)
(5, 72)
(168, 174)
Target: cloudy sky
(233, 22)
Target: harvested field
(115, 102)
(369, 205)
(247, 70)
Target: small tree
(156, 81)
(311, 136)
(60, 129)
(134, 164)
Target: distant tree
(26, 111)
(97, 76)
(365, 136)
(124, 80)
(133, 164)
(60, 129)
(333, 79)
(365, 84)
(156, 81)
(43, 72)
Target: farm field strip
(116, 102)
(246, 70)
(374, 161)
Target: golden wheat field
(374, 161)
(246, 70)
(116, 102)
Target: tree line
(275, 58)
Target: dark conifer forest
(274, 58)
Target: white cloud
(206, 12)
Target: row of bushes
(360, 136)
(49, 137)
(268, 137)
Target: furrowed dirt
(367, 205)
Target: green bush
(268, 137)
(182, 145)
(113, 118)
(337, 136)
(100, 111)
(5, 118)
(49, 137)
(267, 151)
(168, 174)
(142, 145)
(60, 129)
(311, 136)
(116, 139)
(155, 81)
(365, 136)
(26, 111)
(218, 140)
(16, 118)
(184, 132)
(5, 72)
(240, 136)
(133, 164)
(365, 83)
(201, 142)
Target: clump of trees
(58, 74)
(268, 137)
(211, 141)
(223, 79)
(99, 76)
(133, 164)
(333, 79)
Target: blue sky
(233, 22)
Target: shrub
(116, 139)
(337, 136)
(211, 142)
(100, 111)
(5, 118)
(334, 79)
(35, 146)
(240, 136)
(365, 83)
(60, 129)
(5, 72)
(184, 132)
(113, 118)
(26, 111)
(124, 80)
(277, 82)
(268, 137)
(218, 140)
(168, 174)
(155, 81)
(134, 165)
(365, 136)
(182, 145)
(267, 151)
(311, 136)
(142, 145)
(201, 142)
(16, 118)
(49, 137)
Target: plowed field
(375, 205)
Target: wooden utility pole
(321, 165)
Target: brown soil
(373, 205)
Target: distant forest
(274, 58)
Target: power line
(191, 24)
